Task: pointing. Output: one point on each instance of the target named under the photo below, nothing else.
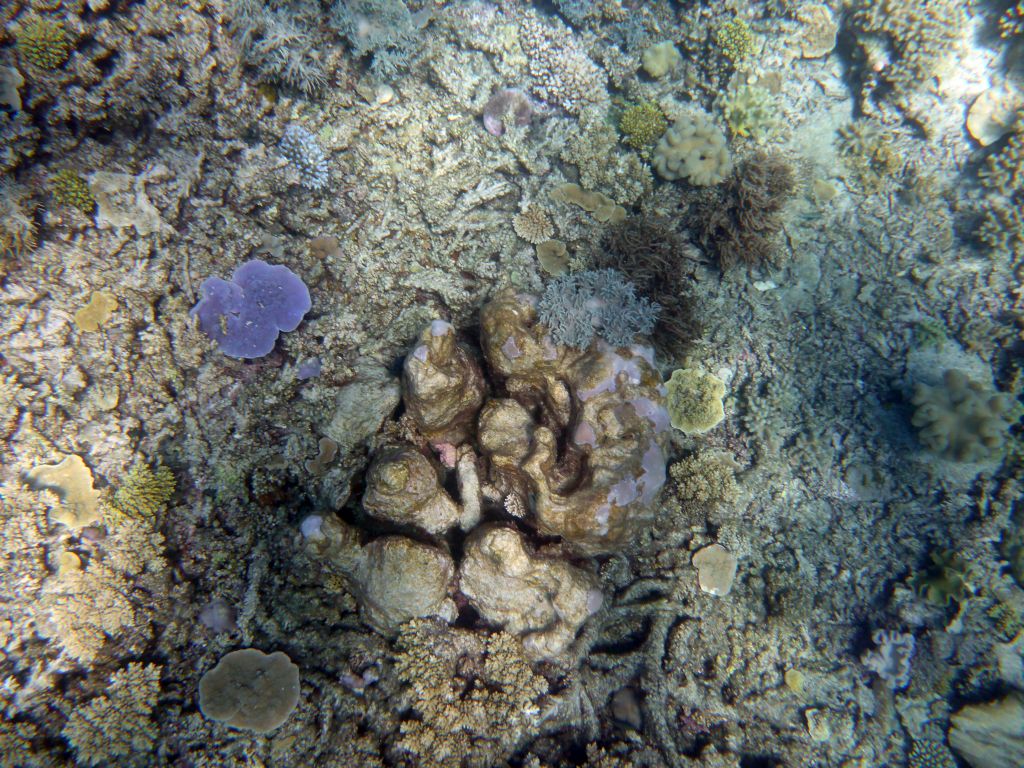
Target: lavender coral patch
(245, 316)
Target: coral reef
(649, 253)
(507, 102)
(385, 30)
(17, 228)
(642, 124)
(246, 314)
(891, 658)
(695, 400)
(475, 700)
(869, 154)
(943, 580)
(278, 43)
(903, 43)
(561, 71)
(749, 111)
(68, 188)
(739, 222)
(661, 58)
(142, 494)
(693, 148)
(734, 41)
(43, 42)
(533, 224)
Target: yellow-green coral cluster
(642, 125)
(748, 111)
(69, 188)
(43, 43)
(143, 494)
(735, 41)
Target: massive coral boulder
(442, 385)
(403, 486)
(597, 456)
(543, 599)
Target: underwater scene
(512, 383)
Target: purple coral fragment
(502, 103)
(246, 315)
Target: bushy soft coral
(383, 29)
(578, 306)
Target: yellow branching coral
(143, 494)
(476, 701)
(70, 189)
(735, 41)
(44, 43)
(117, 728)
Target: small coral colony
(485, 384)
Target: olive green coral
(642, 125)
(43, 43)
(943, 580)
(748, 111)
(735, 41)
(143, 494)
(70, 189)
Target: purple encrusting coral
(245, 316)
(506, 101)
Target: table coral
(245, 316)
(250, 689)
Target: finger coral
(961, 419)
(117, 727)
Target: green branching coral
(943, 580)
(43, 43)
(642, 125)
(749, 112)
(143, 494)
(70, 189)
(735, 41)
